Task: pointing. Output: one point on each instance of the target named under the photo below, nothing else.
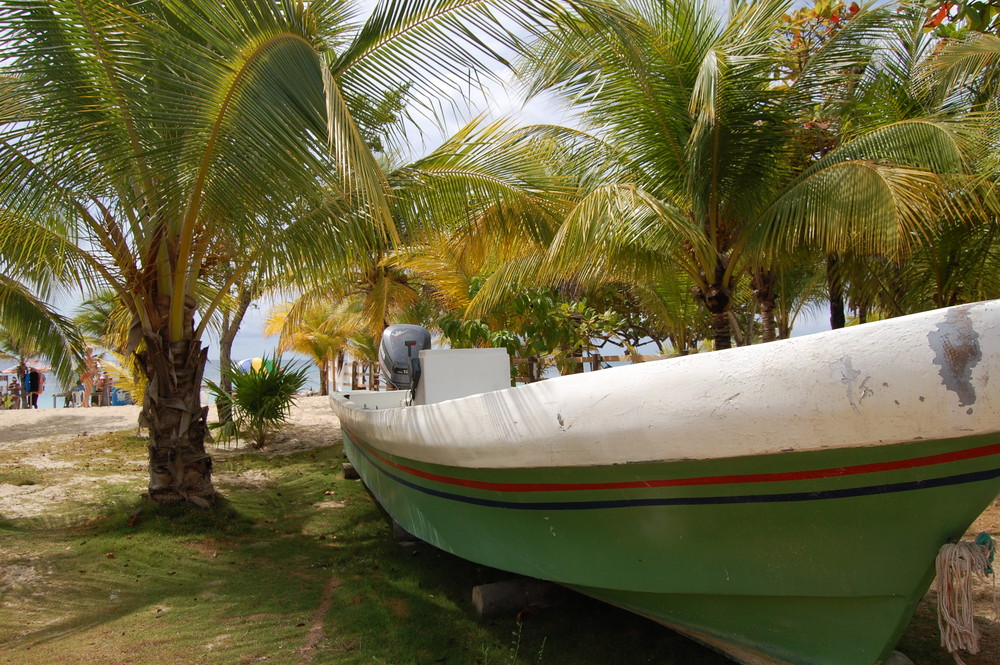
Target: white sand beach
(36, 439)
(311, 423)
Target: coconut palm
(30, 267)
(697, 105)
(317, 329)
(32, 329)
(481, 196)
(148, 141)
(918, 79)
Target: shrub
(260, 402)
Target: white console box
(452, 373)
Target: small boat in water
(782, 503)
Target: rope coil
(957, 565)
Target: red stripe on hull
(835, 472)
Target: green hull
(812, 558)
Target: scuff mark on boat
(844, 372)
(956, 351)
(865, 390)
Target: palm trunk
(717, 300)
(339, 371)
(836, 288)
(784, 330)
(179, 467)
(721, 330)
(230, 327)
(763, 286)
(324, 377)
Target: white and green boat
(782, 503)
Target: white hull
(925, 376)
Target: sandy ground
(35, 438)
(311, 423)
(20, 426)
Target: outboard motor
(399, 354)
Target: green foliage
(953, 20)
(534, 324)
(376, 116)
(804, 31)
(260, 401)
(32, 329)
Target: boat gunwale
(662, 492)
(840, 389)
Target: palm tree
(128, 128)
(320, 330)
(146, 140)
(477, 194)
(902, 86)
(30, 268)
(698, 108)
(32, 329)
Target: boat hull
(808, 553)
(745, 553)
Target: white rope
(957, 565)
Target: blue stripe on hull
(869, 490)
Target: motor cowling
(399, 354)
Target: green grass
(296, 566)
(19, 477)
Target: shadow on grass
(421, 580)
(418, 600)
(162, 583)
(296, 566)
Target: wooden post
(513, 596)
(401, 535)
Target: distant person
(104, 386)
(34, 385)
(101, 379)
(88, 376)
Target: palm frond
(40, 329)
(969, 63)
(856, 205)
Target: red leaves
(938, 16)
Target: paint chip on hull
(956, 351)
(844, 372)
